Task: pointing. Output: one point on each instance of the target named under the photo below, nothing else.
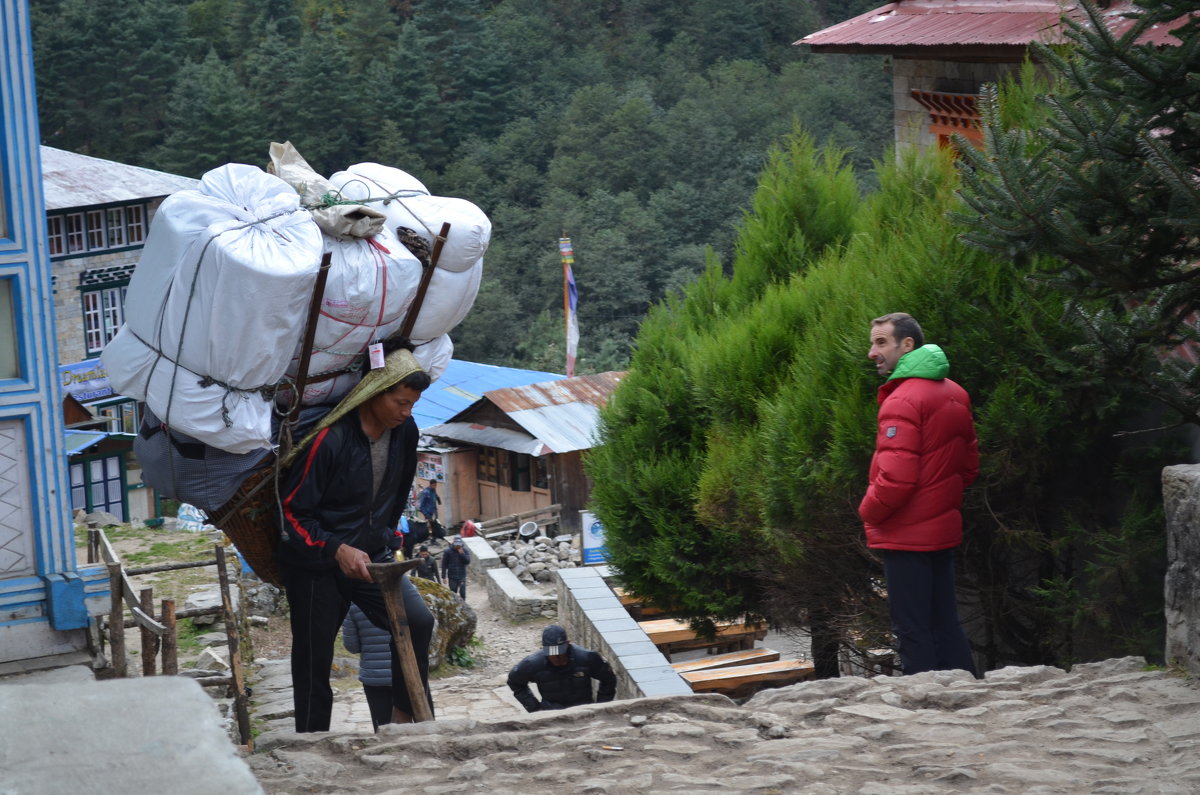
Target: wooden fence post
(116, 621)
(149, 639)
(170, 640)
(241, 706)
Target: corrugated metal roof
(73, 180)
(943, 23)
(590, 389)
(562, 414)
(559, 416)
(463, 383)
(486, 436)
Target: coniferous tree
(735, 452)
(1106, 187)
(213, 120)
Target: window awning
(75, 442)
(486, 436)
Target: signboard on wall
(85, 381)
(594, 550)
(430, 467)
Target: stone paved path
(1107, 727)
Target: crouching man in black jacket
(563, 673)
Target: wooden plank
(745, 657)
(740, 676)
(672, 630)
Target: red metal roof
(1001, 24)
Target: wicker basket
(248, 519)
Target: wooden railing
(506, 525)
(159, 633)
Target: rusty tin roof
(558, 416)
(1000, 25)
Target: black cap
(554, 640)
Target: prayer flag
(570, 302)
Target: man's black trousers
(318, 601)
(924, 611)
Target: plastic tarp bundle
(369, 289)
(406, 203)
(216, 305)
(434, 355)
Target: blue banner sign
(86, 380)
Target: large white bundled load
(406, 203)
(434, 355)
(215, 306)
(450, 296)
(369, 288)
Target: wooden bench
(636, 606)
(743, 680)
(672, 635)
(745, 657)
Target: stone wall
(1181, 501)
(507, 594)
(593, 617)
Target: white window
(116, 226)
(103, 314)
(58, 235)
(135, 222)
(95, 230)
(75, 233)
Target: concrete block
(613, 625)
(155, 732)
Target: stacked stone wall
(1181, 502)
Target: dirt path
(478, 691)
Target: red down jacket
(926, 454)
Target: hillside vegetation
(636, 128)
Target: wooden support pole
(149, 639)
(93, 548)
(241, 706)
(170, 640)
(116, 623)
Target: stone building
(98, 214)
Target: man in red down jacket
(926, 454)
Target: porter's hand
(353, 562)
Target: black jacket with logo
(565, 685)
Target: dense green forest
(636, 128)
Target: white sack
(434, 355)
(222, 288)
(447, 301)
(414, 208)
(367, 180)
(369, 289)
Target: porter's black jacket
(327, 500)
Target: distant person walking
(926, 454)
(455, 560)
(427, 566)
(427, 503)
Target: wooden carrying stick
(410, 320)
(390, 577)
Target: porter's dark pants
(924, 611)
(318, 601)
(379, 702)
